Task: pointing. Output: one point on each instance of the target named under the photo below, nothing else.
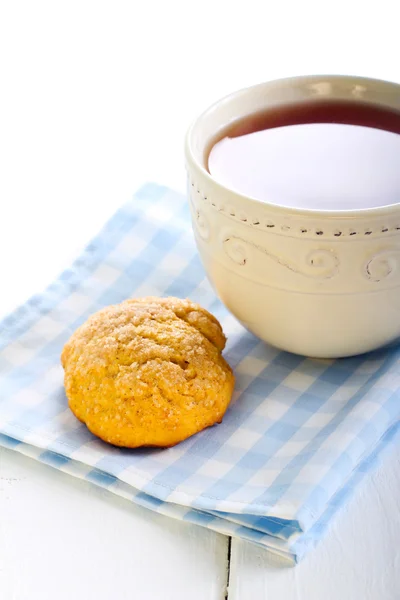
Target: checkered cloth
(297, 438)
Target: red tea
(322, 154)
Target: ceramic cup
(313, 282)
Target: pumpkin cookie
(148, 372)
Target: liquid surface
(325, 155)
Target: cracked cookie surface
(148, 372)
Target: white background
(95, 98)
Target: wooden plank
(358, 558)
(64, 538)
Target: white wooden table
(94, 100)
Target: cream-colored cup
(314, 282)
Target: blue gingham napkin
(297, 438)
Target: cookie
(148, 372)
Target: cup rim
(307, 212)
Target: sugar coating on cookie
(148, 372)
